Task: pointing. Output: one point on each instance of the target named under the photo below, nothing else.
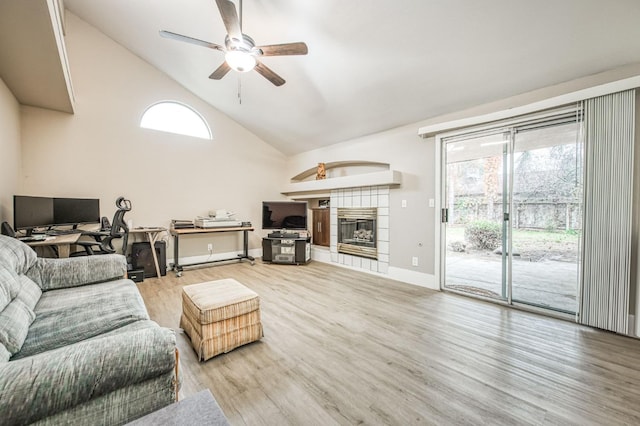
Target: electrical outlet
(210, 247)
(414, 261)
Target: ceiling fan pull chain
(239, 89)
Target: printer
(217, 219)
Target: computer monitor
(72, 211)
(38, 212)
(32, 212)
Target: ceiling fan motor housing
(246, 45)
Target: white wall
(101, 151)
(10, 155)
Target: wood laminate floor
(344, 347)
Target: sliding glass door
(512, 216)
(475, 204)
(547, 216)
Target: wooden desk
(63, 242)
(152, 236)
(176, 233)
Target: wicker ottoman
(219, 316)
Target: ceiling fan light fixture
(240, 61)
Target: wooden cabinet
(321, 231)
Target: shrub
(458, 246)
(483, 235)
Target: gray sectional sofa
(76, 343)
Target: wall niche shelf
(376, 174)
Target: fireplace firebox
(357, 232)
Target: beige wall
(101, 151)
(10, 157)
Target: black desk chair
(103, 243)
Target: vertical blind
(609, 138)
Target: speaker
(7, 230)
(142, 258)
(266, 250)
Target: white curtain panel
(609, 138)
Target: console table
(289, 250)
(177, 233)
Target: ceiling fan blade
(298, 48)
(230, 18)
(267, 73)
(221, 71)
(180, 37)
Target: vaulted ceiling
(374, 64)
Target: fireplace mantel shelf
(387, 177)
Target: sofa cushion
(14, 325)
(17, 255)
(5, 355)
(8, 284)
(54, 274)
(70, 315)
(45, 384)
(29, 292)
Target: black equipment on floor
(142, 258)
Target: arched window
(174, 117)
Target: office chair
(118, 228)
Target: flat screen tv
(284, 215)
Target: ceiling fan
(241, 53)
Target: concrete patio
(548, 283)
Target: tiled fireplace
(360, 228)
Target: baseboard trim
(412, 277)
(398, 274)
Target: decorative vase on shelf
(322, 172)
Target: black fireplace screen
(357, 232)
